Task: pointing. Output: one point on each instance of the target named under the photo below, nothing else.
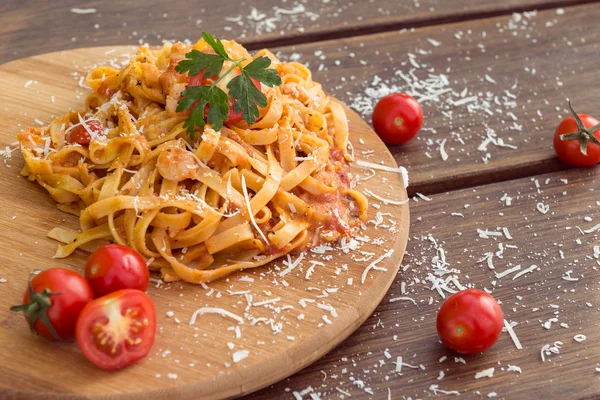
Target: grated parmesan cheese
(486, 373)
(401, 170)
(215, 310)
(374, 264)
(83, 10)
(250, 214)
(513, 335)
(239, 355)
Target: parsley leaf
(214, 97)
(210, 64)
(195, 119)
(197, 62)
(258, 70)
(216, 45)
(247, 97)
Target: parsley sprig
(246, 96)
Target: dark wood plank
(522, 66)
(408, 330)
(37, 26)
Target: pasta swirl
(197, 209)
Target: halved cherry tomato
(397, 118)
(470, 321)
(114, 267)
(53, 301)
(117, 330)
(574, 134)
(80, 135)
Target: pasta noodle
(197, 209)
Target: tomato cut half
(118, 329)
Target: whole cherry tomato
(114, 267)
(117, 330)
(397, 118)
(577, 140)
(52, 302)
(470, 321)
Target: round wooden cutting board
(291, 318)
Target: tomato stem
(584, 135)
(39, 303)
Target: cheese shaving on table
(485, 234)
(443, 153)
(579, 338)
(486, 373)
(513, 335)
(215, 310)
(343, 392)
(435, 389)
(423, 197)
(374, 263)
(525, 271)
(403, 299)
(83, 10)
(514, 368)
(507, 272)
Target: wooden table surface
(493, 78)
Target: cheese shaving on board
(215, 310)
(401, 170)
(374, 264)
(385, 201)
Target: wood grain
(27, 25)
(408, 330)
(522, 67)
(187, 362)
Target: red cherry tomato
(117, 330)
(53, 301)
(79, 135)
(196, 80)
(569, 150)
(397, 118)
(114, 267)
(470, 321)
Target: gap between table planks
(408, 330)
(186, 362)
(549, 55)
(27, 25)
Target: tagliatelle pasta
(197, 208)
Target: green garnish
(247, 97)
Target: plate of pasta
(271, 216)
